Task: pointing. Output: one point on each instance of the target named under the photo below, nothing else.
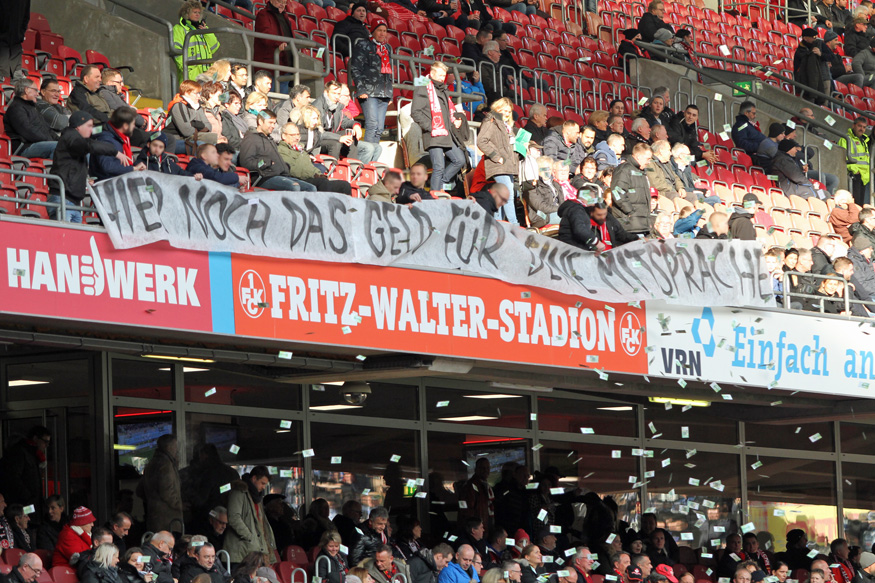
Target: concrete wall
(717, 111)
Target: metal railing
(788, 293)
(171, 52)
(294, 44)
(227, 556)
(768, 10)
(235, 9)
(62, 206)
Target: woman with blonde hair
(599, 121)
(493, 576)
(310, 123)
(219, 72)
(337, 565)
(496, 141)
(201, 47)
(103, 567)
(256, 102)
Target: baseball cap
(634, 574)
(667, 572)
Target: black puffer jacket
(679, 131)
(422, 567)
(630, 190)
(575, 227)
(70, 163)
(364, 71)
(128, 574)
(367, 545)
(94, 573)
(25, 125)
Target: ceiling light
(187, 369)
(179, 358)
(533, 388)
(467, 418)
(680, 402)
(622, 408)
(334, 407)
(493, 396)
(120, 447)
(26, 383)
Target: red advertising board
(432, 313)
(73, 274)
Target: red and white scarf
(568, 191)
(383, 52)
(438, 128)
(126, 143)
(602, 230)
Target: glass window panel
(356, 463)
(385, 400)
(696, 498)
(451, 459)
(705, 424)
(48, 380)
(858, 489)
(594, 467)
(494, 409)
(135, 432)
(80, 429)
(260, 442)
(239, 388)
(144, 379)
(816, 436)
(858, 438)
(785, 493)
(555, 414)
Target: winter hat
(662, 34)
(808, 32)
(794, 536)
(267, 573)
(631, 33)
(776, 129)
(78, 118)
(787, 145)
(861, 243)
(82, 516)
(521, 535)
(158, 136)
(358, 5)
(830, 35)
(378, 24)
(867, 560)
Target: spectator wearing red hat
(74, 538)
(521, 541)
(370, 72)
(667, 572)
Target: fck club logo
(252, 296)
(630, 333)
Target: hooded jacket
(546, 198)
(556, 148)
(181, 117)
(605, 157)
(160, 489)
(70, 162)
(741, 226)
(791, 178)
(248, 528)
(364, 71)
(259, 154)
(630, 191)
(70, 544)
(864, 274)
(164, 163)
(422, 567)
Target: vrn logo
(689, 362)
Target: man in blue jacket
(745, 133)
(207, 165)
(117, 132)
(461, 570)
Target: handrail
(294, 44)
(319, 559)
(174, 82)
(223, 552)
(708, 74)
(62, 206)
(830, 98)
(787, 293)
(295, 571)
(769, 8)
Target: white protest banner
(145, 207)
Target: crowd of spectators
(523, 529)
